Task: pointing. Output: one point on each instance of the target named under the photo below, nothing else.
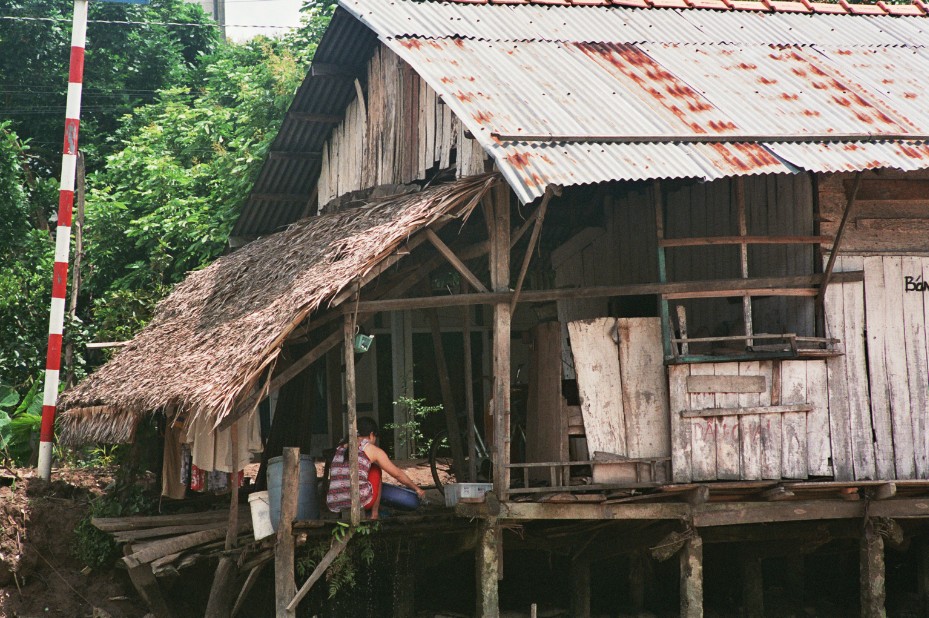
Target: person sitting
(372, 460)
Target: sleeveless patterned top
(339, 497)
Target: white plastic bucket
(261, 515)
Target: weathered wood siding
(781, 429)
(624, 250)
(891, 214)
(394, 134)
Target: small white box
(466, 491)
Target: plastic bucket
(261, 515)
(307, 507)
(399, 497)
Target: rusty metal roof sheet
(579, 80)
(584, 105)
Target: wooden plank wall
(623, 386)
(394, 135)
(761, 443)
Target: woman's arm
(377, 455)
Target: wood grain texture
(546, 425)
(896, 367)
(881, 417)
(750, 427)
(703, 430)
(596, 363)
(793, 425)
(645, 387)
(819, 445)
(679, 402)
(728, 464)
(840, 430)
(771, 425)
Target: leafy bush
(343, 571)
(411, 431)
(20, 421)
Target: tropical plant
(410, 432)
(20, 420)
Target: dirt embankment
(39, 576)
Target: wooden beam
(533, 238)
(782, 409)
(280, 197)
(337, 547)
(705, 241)
(295, 156)
(736, 286)
(469, 393)
(457, 264)
(348, 350)
(743, 255)
(834, 251)
(574, 510)
(315, 118)
(247, 587)
(329, 69)
(741, 291)
(284, 584)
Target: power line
(141, 23)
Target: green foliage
(20, 420)
(125, 65)
(342, 573)
(411, 431)
(167, 199)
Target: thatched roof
(213, 338)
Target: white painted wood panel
(728, 465)
(680, 427)
(599, 381)
(750, 427)
(793, 425)
(896, 367)
(818, 444)
(703, 430)
(645, 387)
(875, 297)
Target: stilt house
(667, 257)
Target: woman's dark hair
(366, 426)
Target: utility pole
(63, 236)
(219, 14)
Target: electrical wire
(140, 23)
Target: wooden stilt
(638, 566)
(247, 587)
(752, 585)
(222, 594)
(922, 574)
(284, 584)
(404, 582)
(871, 556)
(348, 346)
(469, 393)
(580, 588)
(691, 557)
(488, 603)
(498, 221)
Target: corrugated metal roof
(598, 92)
(602, 73)
(593, 24)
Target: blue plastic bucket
(399, 497)
(307, 508)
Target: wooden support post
(530, 248)
(348, 350)
(871, 556)
(448, 400)
(469, 394)
(284, 583)
(487, 571)
(662, 269)
(922, 574)
(404, 582)
(837, 243)
(580, 587)
(222, 594)
(456, 263)
(691, 557)
(752, 584)
(498, 221)
(638, 574)
(247, 587)
(743, 255)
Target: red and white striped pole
(63, 236)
